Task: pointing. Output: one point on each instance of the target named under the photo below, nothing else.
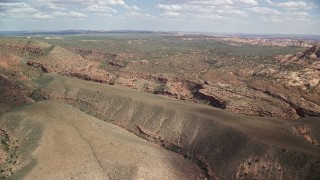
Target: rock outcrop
(251, 91)
(309, 58)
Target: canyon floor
(157, 107)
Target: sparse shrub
(160, 88)
(144, 87)
(112, 81)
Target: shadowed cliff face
(225, 145)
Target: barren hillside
(204, 110)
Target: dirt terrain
(192, 115)
(252, 85)
(194, 130)
(239, 146)
(74, 145)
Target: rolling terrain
(72, 145)
(207, 71)
(157, 107)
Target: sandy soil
(78, 146)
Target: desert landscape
(154, 105)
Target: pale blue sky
(243, 16)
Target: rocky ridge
(237, 149)
(266, 91)
(223, 145)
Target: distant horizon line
(157, 31)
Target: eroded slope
(74, 145)
(225, 145)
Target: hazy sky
(245, 16)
